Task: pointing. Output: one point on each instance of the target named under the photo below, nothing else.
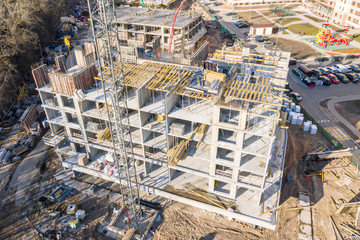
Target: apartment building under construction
(213, 132)
(143, 30)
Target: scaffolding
(106, 39)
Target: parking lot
(312, 97)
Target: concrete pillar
(82, 124)
(147, 168)
(211, 184)
(171, 173)
(237, 158)
(233, 189)
(216, 114)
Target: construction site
(145, 135)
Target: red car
(333, 78)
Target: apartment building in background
(343, 12)
(258, 2)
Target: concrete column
(242, 119)
(171, 173)
(233, 189)
(237, 158)
(211, 184)
(82, 125)
(216, 114)
(147, 168)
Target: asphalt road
(313, 96)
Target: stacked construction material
(293, 113)
(306, 126)
(103, 135)
(313, 129)
(93, 126)
(41, 76)
(76, 78)
(177, 128)
(28, 117)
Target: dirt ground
(186, 222)
(181, 221)
(350, 110)
(298, 49)
(254, 17)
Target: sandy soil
(350, 110)
(181, 221)
(298, 49)
(346, 110)
(185, 222)
(253, 17)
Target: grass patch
(306, 28)
(315, 18)
(289, 20)
(356, 37)
(285, 32)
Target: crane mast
(107, 50)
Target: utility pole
(107, 48)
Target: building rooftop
(155, 17)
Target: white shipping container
(313, 129)
(292, 106)
(300, 120)
(306, 126)
(290, 116)
(297, 108)
(294, 119)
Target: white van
(341, 68)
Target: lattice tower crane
(107, 49)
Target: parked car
(296, 96)
(305, 79)
(268, 44)
(331, 69)
(216, 4)
(322, 59)
(354, 68)
(292, 62)
(325, 80)
(351, 56)
(317, 73)
(242, 25)
(333, 78)
(342, 78)
(260, 38)
(324, 71)
(337, 58)
(239, 22)
(352, 77)
(260, 59)
(341, 68)
(234, 17)
(202, 2)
